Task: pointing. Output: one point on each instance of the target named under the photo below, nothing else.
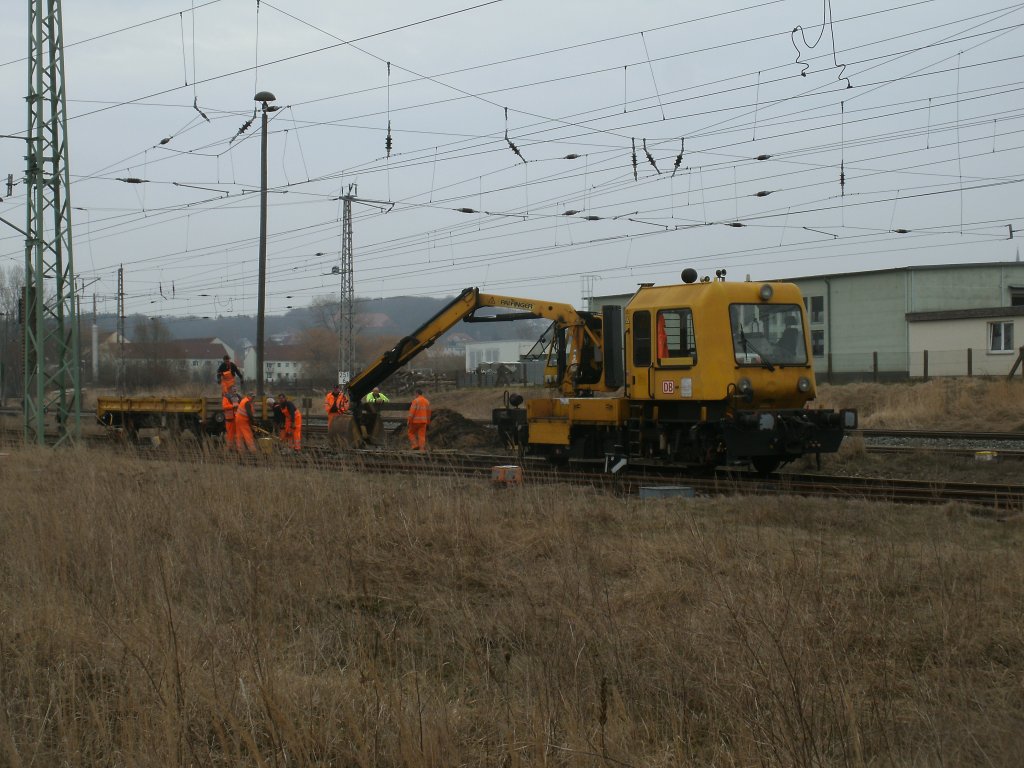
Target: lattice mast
(52, 381)
(346, 325)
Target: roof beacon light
(765, 292)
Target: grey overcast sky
(919, 104)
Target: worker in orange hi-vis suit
(243, 424)
(228, 375)
(229, 402)
(292, 423)
(419, 418)
(334, 403)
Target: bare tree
(153, 355)
(319, 350)
(326, 314)
(11, 280)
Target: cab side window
(675, 334)
(642, 339)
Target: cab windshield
(767, 335)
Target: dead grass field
(166, 614)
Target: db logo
(668, 387)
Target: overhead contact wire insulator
(387, 141)
(195, 106)
(650, 158)
(762, 157)
(679, 157)
(635, 177)
(513, 147)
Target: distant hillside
(395, 316)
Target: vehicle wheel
(765, 465)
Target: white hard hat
(271, 401)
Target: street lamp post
(261, 306)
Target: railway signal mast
(347, 301)
(52, 382)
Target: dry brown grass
(955, 404)
(163, 614)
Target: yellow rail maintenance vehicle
(704, 373)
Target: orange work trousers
(293, 432)
(418, 437)
(243, 435)
(229, 433)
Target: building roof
(275, 353)
(179, 349)
(918, 268)
(964, 314)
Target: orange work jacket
(244, 410)
(419, 410)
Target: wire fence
(919, 364)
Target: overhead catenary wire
(699, 146)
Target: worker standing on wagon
(376, 396)
(229, 403)
(292, 422)
(334, 403)
(419, 418)
(243, 423)
(228, 375)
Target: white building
(478, 352)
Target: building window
(818, 343)
(815, 306)
(1017, 297)
(1000, 336)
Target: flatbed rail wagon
(172, 415)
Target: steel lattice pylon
(52, 382)
(347, 356)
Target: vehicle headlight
(766, 292)
(804, 384)
(744, 386)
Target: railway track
(997, 499)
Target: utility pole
(346, 324)
(52, 381)
(347, 303)
(95, 345)
(587, 281)
(121, 385)
(261, 301)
